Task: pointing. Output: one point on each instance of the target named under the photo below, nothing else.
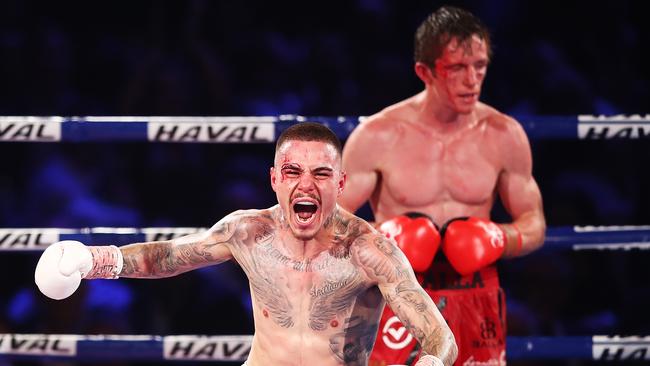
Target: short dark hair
(441, 26)
(309, 131)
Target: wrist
(514, 240)
(107, 262)
(429, 360)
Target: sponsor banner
(592, 229)
(612, 246)
(30, 128)
(215, 348)
(613, 127)
(618, 348)
(212, 129)
(29, 239)
(39, 344)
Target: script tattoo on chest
(334, 296)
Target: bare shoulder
(243, 224)
(376, 255)
(505, 126)
(386, 125)
(510, 138)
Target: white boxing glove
(61, 267)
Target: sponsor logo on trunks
(488, 332)
(488, 329)
(395, 335)
(501, 361)
(217, 348)
(613, 127)
(27, 128)
(38, 344)
(617, 348)
(197, 129)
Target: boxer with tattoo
(319, 276)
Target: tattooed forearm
(145, 259)
(440, 343)
(165, 259)
(412, 295)
(419, 315)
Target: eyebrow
(320, 169)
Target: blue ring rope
(264, 129)
(576, 238)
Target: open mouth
(468, 96)
(305, 210)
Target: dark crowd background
(213, 58)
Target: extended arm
(169, 258)
(63, 264)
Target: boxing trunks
(474, 308)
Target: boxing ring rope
(264, 129)
(576, 238)
(236, 348)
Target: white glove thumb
(76, 257)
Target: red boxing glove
(472, 243)
(417, 236)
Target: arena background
(212, 58)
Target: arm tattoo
(383, 262)
(379, 260)
(172, 257)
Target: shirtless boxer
(319, 276)
(444, 154)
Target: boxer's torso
(443, 174)
(310, 308)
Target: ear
(424, 73)
(273, 181)
(341, 183)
